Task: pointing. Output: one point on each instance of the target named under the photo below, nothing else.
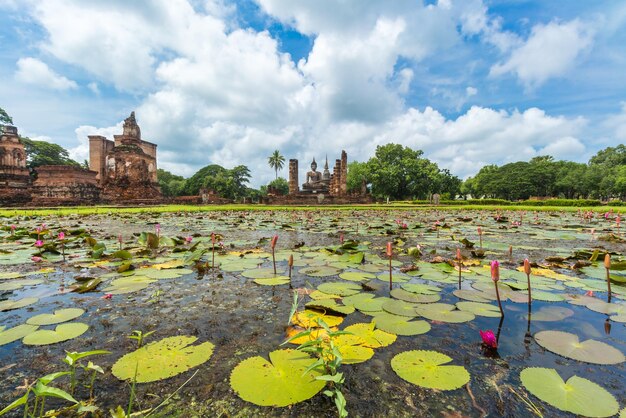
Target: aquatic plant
(61, 237)
(41, 389)
(429, 369)
(273, 246)
(390, 254)
(607, 267)
(527, 271)
(495, 276)
(480, 236)
(72, 358)
(459, 260)
(489, 338)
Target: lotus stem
(607, 267)
(527, 271)
(389, 254)
(460, 264)
(499, 302)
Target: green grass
(92, 210)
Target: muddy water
(243, 319)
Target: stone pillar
(343, 185)
(336, 186)
(294, 186)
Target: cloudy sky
(470, 82)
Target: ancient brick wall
(294, 186)
(65, 185)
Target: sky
(468, 82)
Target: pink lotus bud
(39, 243)
(458, 254)
(607, 261)
(119, 238)
(489, 339)
(157, 228)
(389, 250)
(341, 237)
(274, 240)
(108, 296)
(61, 235)
(213, 237)
(526, 266)
(495, 270)
(480, 230)
(36, 259)
(13, 227)
(188, 239)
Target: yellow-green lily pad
(10, 304)
(578, 395)
(590, 351)
(162, 359)
(60, 315)
(281, 381)
(15, 333)
(62, 332)
(429, 369)
(443, 312)
(273, 281)
(480, 309)
(374, 338)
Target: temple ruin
(14, 176)
(126, 167)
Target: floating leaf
(443, 312)
(331, 306)
(259, 273)
(18, 284)
(162, 359)
(339, 288)
(9, 304)
(374, 338)
(473, 295)
(371, 304)
(60, 315)
(578, 395)
(61, 333)
(352, 300)
(422, 289)
(428, 369)
(414, 297)
(480, 309)
(400, 325)
(551, 314)
(400, 307)
(15, 333)
(273, 281)
(309, 319)
(353, 349)
(128, 285)
(355, 276)
(281, 381)
(320, 271)
(567, 345)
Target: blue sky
(469, 82)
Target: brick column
(343, 185)
(294, 186)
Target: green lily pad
(443, 312)
(320, 271)
(339, 288)
(414, 297)
(18, 284)
(353, 349)
(162, 359)
(578, 395)
(15, 333)
(60, 315)
(62, 332)
(355, 276)
(371, 304)
(331, 306)
(374, 338)
(428, 369)
(590, 351)
(480, 309)
(473, 295)
(400, 325)
(260, 273)
(422, 289)
(128, 285)
(281, 381)
(273, 281)
(551, 314)
(352, 300)
(10, 304)
(399, 307)
(10, 275)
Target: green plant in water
(41, 390)
(155, 297)
(72, 360)
(140, 336)
(329, 359)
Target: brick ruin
(320, 187)
(126, 167)
(14, 176)
(64, 185)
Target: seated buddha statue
(315, 181)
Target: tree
(276, 161)
(357, 175)
(171, 184)
(227, 183)
(5, 119)
(398, 172)
(40, 153)
(280, 185)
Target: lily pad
(162, 359)
(400, 325)
(281, 381)
(422, 289)
(262, 273)
(443, 312)
(400, 307)
(414, 297)
(374, 338)
(60, 315)
(15, 333)
(62, 332)
(9, 304)
(339, 288)
(309, 319)
(273, 281)
(480, 309)
(590, 351)
(551, 314)
(578, 395)
(320, 271)
(128, 285)
(331, 306)
(371, 304)
(428, 369)
(353, 349)
(355, 276)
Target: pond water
(244, 319)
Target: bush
(561, 202)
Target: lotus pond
(186, 314)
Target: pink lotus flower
(589, 293)
(119, 238)
(188, 239)
(61, 235)
(39, 243)
(489, 339)
(13, 227)
(108, 296)
(36, 259)
(495, 270)
(157, 228)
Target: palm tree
(276, 161)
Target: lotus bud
(389, 250)
(458, 254)
(526, 266)
(290, 261)
(480, 230)
(495, 270)
(274, 240)
(607, 261)
(213, 238)
(61, 235)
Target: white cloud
(80, 152)
(94, 88)
(550, 51)
(35, 72)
